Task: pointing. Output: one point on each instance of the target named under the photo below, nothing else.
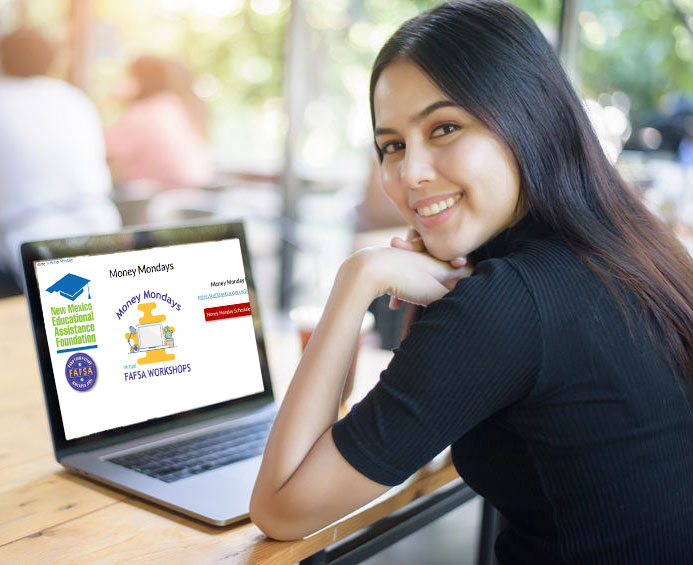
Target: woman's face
(452, 179)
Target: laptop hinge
(250, 407)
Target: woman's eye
(392, 147)
(444, 129)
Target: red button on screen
(228, 311)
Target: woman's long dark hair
(491, 59)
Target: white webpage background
(222, 354)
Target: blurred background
(267, 101)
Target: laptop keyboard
(185, 458)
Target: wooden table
(48, 515)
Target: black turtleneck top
(560, 413)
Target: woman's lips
(424, 202)
(431, 215)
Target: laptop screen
(143, 334)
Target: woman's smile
(436, 210)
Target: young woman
(560, 371)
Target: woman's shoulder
(494, 299)
(530, 244)
(524, 263)
(549, 263)
(541, 269)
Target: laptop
(153, 362)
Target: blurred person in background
(161, 139)
(54, 179)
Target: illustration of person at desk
(149, 337)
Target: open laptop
(153, 363)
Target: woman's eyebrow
(427, 111)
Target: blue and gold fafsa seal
(80, 371)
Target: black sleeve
(473, 352)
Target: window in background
(643, 51)
(635, 61)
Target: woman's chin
(441, 252)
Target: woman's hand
(413, 242)
(410, 276)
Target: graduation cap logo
(70, 286)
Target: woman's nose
(417, 166)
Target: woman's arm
(304, 483)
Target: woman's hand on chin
(407, 275)
(413, 242)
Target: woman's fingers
(460, 273)
(414, 238)
(412, 242)
(415, 244)
(424, 281)
(412, 234)
(400, 243)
